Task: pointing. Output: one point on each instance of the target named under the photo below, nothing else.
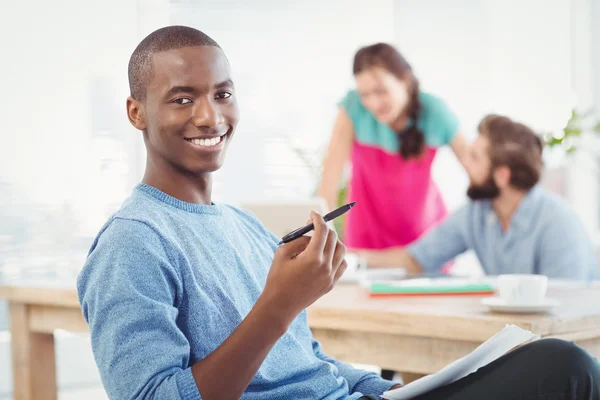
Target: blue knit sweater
(166, 282)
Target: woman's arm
(337, 155)
(460, 147)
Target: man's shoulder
(138, 219)
(142, 208)
(474, 210)
(551, 206)
(547, 213)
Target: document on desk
(495, 347)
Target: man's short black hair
(163, 39)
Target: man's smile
(207, 142)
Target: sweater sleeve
(128, 293)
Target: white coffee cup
(526, 289)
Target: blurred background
(68, 155)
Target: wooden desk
(420, 335)
(34, 314)
(412, 335)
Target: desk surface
(348, 307)
(425, 333)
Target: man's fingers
(319, 237)
(339, 255)
(330, 246)
(340, 271)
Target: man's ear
(502, 176)
(136, 113)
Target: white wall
(582, 172)
(595, 49)
(64, 142)
(595, 45)
(67, 154)
(67, 87)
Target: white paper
(495, 347)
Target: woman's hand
(393, 257)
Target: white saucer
(498, 304)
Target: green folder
(442, 286)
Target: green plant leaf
(340, 222)
(573, 131)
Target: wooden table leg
(33, 359)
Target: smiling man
(187, 299)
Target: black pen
(305, 229)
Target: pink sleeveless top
(397, 200)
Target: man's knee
(566, 355)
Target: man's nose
(207, 114)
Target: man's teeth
(207, 142)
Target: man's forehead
(202, 64)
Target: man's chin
(479, 193)
(201, 167)
(209, 165)
(207, 169)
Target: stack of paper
(495, 347)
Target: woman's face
(382, 93)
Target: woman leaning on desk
(390, 130)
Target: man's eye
(223, 95)
(182, 101)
